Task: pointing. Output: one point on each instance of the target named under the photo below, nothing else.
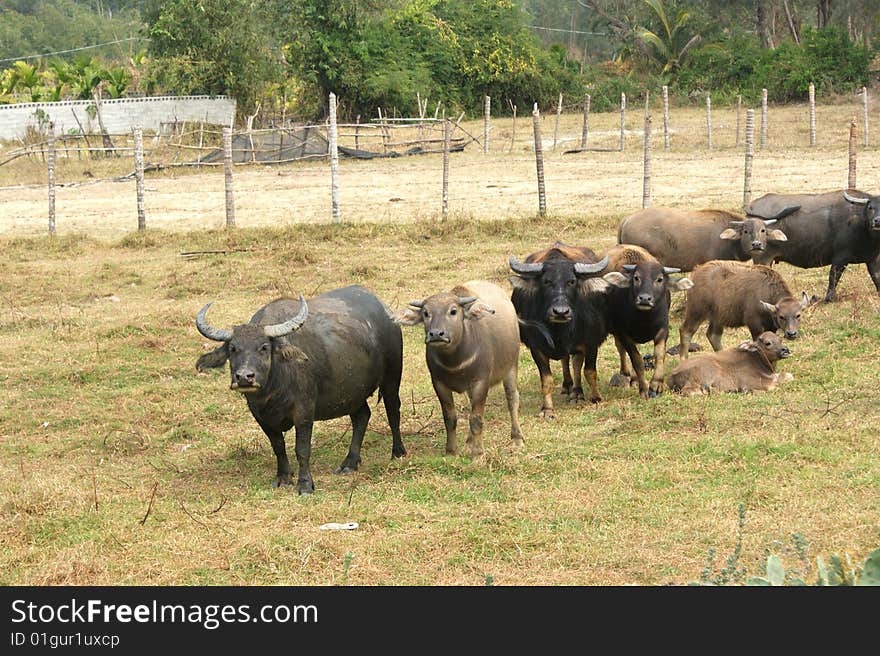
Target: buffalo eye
(636, 279)
(264, 348)
(548, 282)
(233, 348)
(570, 283)
(453, 312)
(659, 280)
(426, 314)
(797, 316)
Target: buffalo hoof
(344, 469)
(566, 389)
(474, 452)
(282, 481)
(516, 444)
(620, 380)
(398, 453)
(653, 394)
(305, 487)
(547, 413)
(596, 399)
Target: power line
(557, 29)
(63, 52)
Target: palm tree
(671, 45)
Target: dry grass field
(120, 465)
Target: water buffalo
(471, 344)
(685, 238)
(561, 312)
(733, 294)
(749, 367)
(638, 311)
(297, 362)
(836, 228)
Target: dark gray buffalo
(685, 238)
(471, 344)
(837, 228)
(297, 362)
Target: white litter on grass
(335, 526)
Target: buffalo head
(443, 316)
(871, 209)
(249, 348)
(557, 283)
(753, 234)
(768, 345)
(787, 313)
(648, 282)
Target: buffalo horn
(671, 269)
(417, 304)
(769, 221)
(289, 326)
(525, 267)
(853, 199)
(630, 267)
(583, 267)
(736, 224)
(217, 334)
(466, 300)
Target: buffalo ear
(730, 233)
(776, 235)
(526, 285)
(291, 353)
(768, 307)
(679, 284)
(213, 359)
(478, 310)
(617, 279)
(409, 317)
(807, 301)
(746, 346)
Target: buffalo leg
(477, 395)
(450, 419)
(624, 376)
(688, 328)
(543, 364)
(511, 393)
(276, 438)
(638, 365)
(657, 380)
(359, 420)
(833, 278)
(577, 365)
(874, 271)
(566, 375)
(391, 398)
(590, 357)
(304, 483)
(713, 334)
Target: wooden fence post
(50, 167)
(865, 111)
(586, 127)
(665, 116)
(138, 133)
(539, 162)
(334, 160)
(647, 101)
(357, 132)
(812, 114)
(556, 125)
(709, 121)
(646, 179)
(513, 129)
(739, 101)
(487, 112)
(444, 213)
(750, 154)
(622, 120)
(851, 178)
(227, 170)
(763, 118)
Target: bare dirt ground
(500, 184)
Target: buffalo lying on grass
(297, 362)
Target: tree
(670, 44)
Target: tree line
(386, 53)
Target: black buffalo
(836, 228)
(297, 362)
(638, 311)
(557, 297)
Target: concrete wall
(119, 115)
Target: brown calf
(731, 294)
(749, 367)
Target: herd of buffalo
(297, 361)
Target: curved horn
(770, 221)
(417, 304)
(671, 270)
(630, 267)
(217, 334)
(466, 300)
(524, 267)
(736, 223)
(291, 325)
(853, 199)
(582, 267)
